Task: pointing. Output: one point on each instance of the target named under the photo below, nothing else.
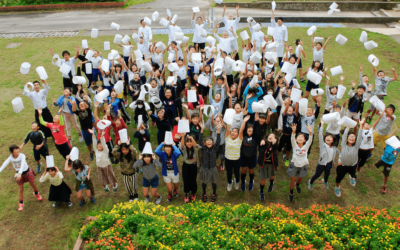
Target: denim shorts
(153, 182)
(82, 186)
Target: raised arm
(326, 43)
(245, 120)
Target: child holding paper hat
(134, 86)
(106, 125)
(309, 119)
(163, 124)
(232, 22)
(88, 72)
(356, 102)
(145, 32)
(172, 28)
(23, 173)
(257, 36)
(383, 126)
(143, 136)
(226, 41)
(317, 68)
(364, 80)
(200, 23)
(318, 50)
(84, 114)
(59, 190)
(189, 168)
(168, 97)
(334, 127)
(209, 50)
(280, 35)
(141, 110)
(331, 94)
(170, 169)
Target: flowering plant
(139, 225)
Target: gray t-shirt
(65, 106)
(186, 156)
(318, 54)
(149, 171)
(214, 134)
(381, 85)
(307, 121)
(384, 126)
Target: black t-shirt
(85, 118)
(195, 130)
(249, 147)
(170, 166)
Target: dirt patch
(12, 45)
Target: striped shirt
(232, 148)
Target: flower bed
(209, 226)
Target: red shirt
(107, 135)
(58, 133)
(174, 132)
(116, 134)
(200, 101)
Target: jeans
(322, 169)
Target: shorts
(285, 141)
(372, 107)
(380, 138)
(386, 167)
(171, 178)
(82, 186)
(267, 171)
(310, 85)
(342, 170)
(211, 61)
(27, 176)
(353, 115)
(87, 137)
(249, 162)
(300, 65)
(96, 74)
(294, 171)
(221, 152)
(153, 182)
(43, 151)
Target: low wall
(70, 6)
(316, 6)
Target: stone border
(63, 6)
(316, 6)
(325, 20)
(79, 241)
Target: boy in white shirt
(232, 22)
(299, 45)
(147, 35)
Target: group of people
(198, 86)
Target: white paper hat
(156, 101)
(270, 101)
(336, 70)
(303, 106)
(210, 109)
(203, 80)
(142, 95)
(105, 65)
(168, 138)
(314, 77)
(171, 80)
(296, 83)
(147, 66)
(286, 67)
(135, 37)
(17, 104)
(330, 12)
(237, 65)
(89, 54)
(147, 149)
(347, 122)
(259, 107)
(185, 39)
(144, 86)
(196, 57)
(191, 96)
(147, 20)
(378, 104)
(341, 39)
(42, 73)
(123, 135)
(257, 27)
(318, 39)
(74, 154)
(169, 13)
(288, 77)
(218, 70)
(173, 67)
(161, 46)
(364, 37)
(196, 9)
(117, 38)
(273, 45)
(79, 80)
(125, 39)
(50, 161)
(114, 54)
(256, 57)
(174, 19)
(119, 87)
(115, 26)
(183, 126)
(94, 33)
(102, 95)
(336, 10)
(250, 19)
(56, 61)
(88, 68)
(164, 22)
(103, 124)
(311, 30)
(373, 60)
(295, 95)
(229, 61)
(65, 68)
(85, 44)
(331, 117)
(25, 67)
(393, 142)
(107, 46)
(341, 91)
(171, 57)
(271, 31)
(211, 40)
(244, 35)
(315, 92)
(155, 15)
(333, 6)
(370, 45)
(138, 54)
(27, 85)
(202, 32)
(140, 120)
(229, 115)
(271, 56)
(178, 36)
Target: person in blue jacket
(252, 94)
(170, 169)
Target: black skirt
(47, 117)
(60, 193)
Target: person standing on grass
(70, 61)
(83, 181)
(23, 173)
(232, 22)
(383, 126)
(148, 163)
(318, 50)
(280, 35)
(145, 32)
(189, 168)
(57, 129)
(38, 140)
(299, 50)
(298, 167)
(105, 172)
(39, 100)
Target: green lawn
(134, 2)
(40, 226)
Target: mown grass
(40, 226)
(40, 2)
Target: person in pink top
(57, 130)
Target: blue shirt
(389, 155)
(82, 175)
(353, 108)
(253, 98)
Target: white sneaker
(326, 184)
(337, 191)
(158, 201)
(236, 184)
(309, 185)
(352, 181)
(147, 199)
(229, 188)
(80, 138)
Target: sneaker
(262, 197)
(20, 207)
(193, 197)
(107, 190)
(358, 169)
(369, 156)
(352, 181)
(298, 189)
(287, 162)
(135, 197)
(383, 189)
(153, 124)
(291, 197)
(284, 157)
(169, 198)
(91, 156)
(115, 188)
(204, 198)
(325, 183)
(236, 184)
(243, 186)
(175, 193)
(229, 188)
(147, 199)
(80, 139)
(55, 204)
(70, 204)
(131, 198)
(337, 191)
(158, 201)
(38, 197)
(302, 79)
(141, 170)
(186, 199)
(38, 167)
(128, 122)
(221, 167)
(82, 203)
(251, 186)
(93, 200)
(270, 188)
(126, 103)
(309, 185)
(213, 197)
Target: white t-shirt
(225, 43)
(156, 58)
(297, 50)
(71, 63)
(142, 47)
(367, 139)
(182, 72)
(96, 62)
(126, 50)
(246, 54)
(330, 154)
(208, 50)
(318, 54)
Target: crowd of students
(225, 103)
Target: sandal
(204, 199)
(221, 167)
(213, 197)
